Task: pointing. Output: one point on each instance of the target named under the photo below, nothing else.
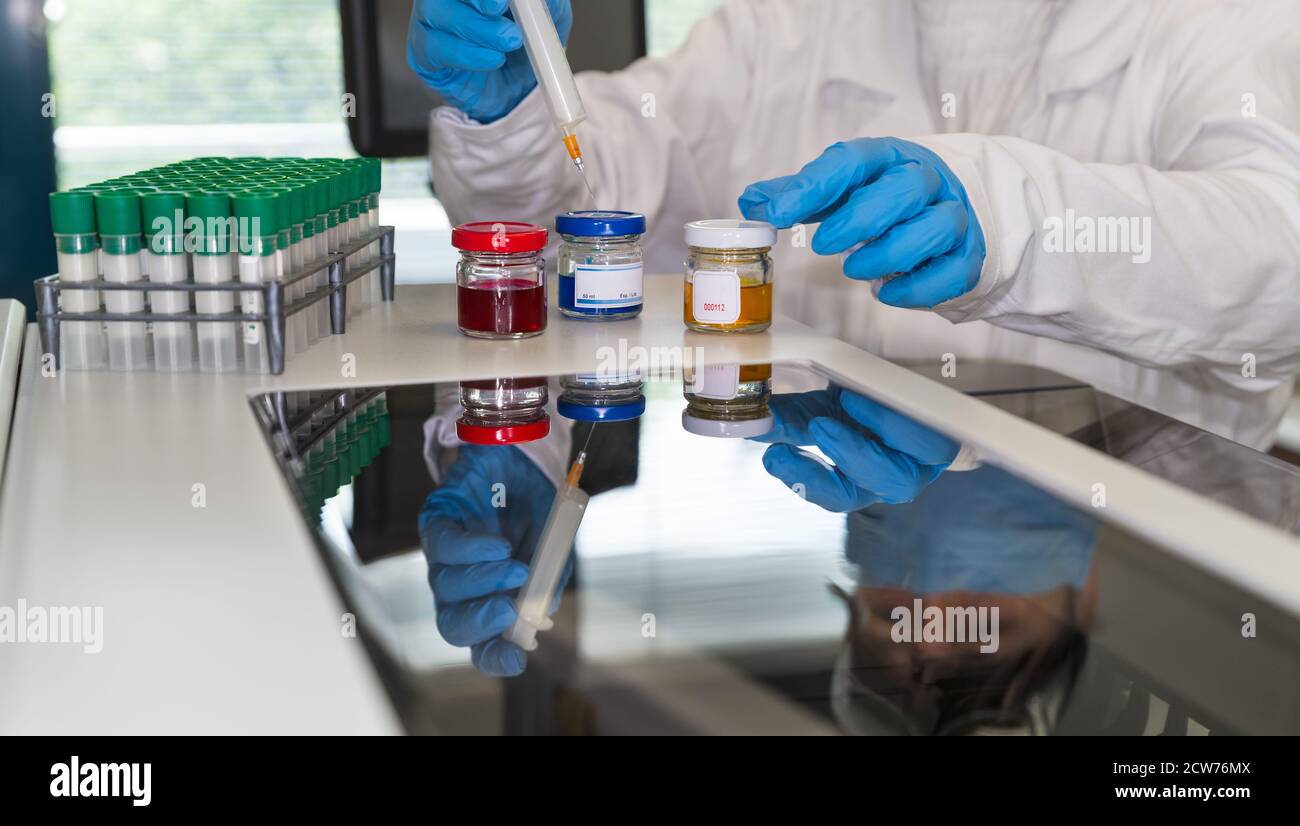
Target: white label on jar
(607, 286)
(715, 297)
(716, 381)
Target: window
(138, 84)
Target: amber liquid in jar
(753, 269)
(755, 310)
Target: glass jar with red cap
(501, 279)
(503, 411)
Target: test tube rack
(49, 315)
(324, 438)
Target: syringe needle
(575, 470)
(575, 154)
(583, 169)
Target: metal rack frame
(274, 411)
(277, 309)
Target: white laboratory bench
(155, 497)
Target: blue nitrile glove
(879, 455)
(897, 199)
(473, 55)
(478, 554)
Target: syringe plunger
(550, 65)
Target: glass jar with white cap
(728, 276)
(728, 400)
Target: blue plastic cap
(592, 223)
(601, 413)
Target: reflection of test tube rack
(325, 437)
(728, 400)
(55, 295)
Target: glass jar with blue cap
(601, 397)
(600, 264)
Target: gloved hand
(472, 53)
(983, 531)
(478, 553)
(895, 199)
(879, 455)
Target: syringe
(551, 66)
(553, 548)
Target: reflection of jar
(501, 279)
(729, 276)
(728, 400)
(503, 411)
(599, 264)
(593, 397)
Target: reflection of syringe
(553, 548)
(546, 54)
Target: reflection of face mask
(983, 530)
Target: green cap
(356, 182)
(209, 206)
(117, 212)
(72, 213)
(283, 206)
(261, 206)
(165, 205)
(315, 194)
(335, 189)
(297, 201)
(283, 219)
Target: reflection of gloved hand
(879, 455)
(473, 55)
(897, 199)
(985, 531)
(479, 530)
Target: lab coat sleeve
(654, 142)
(1219, 280)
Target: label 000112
(715, 297)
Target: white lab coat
(1186, 112)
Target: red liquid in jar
(508, 307)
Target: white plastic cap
(729, 234)
(746, 429)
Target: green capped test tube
(76, 244)
(117, 215)
(257, 214)
(210, 240)
(164, 231)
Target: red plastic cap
(476, 434)
(501, 237)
